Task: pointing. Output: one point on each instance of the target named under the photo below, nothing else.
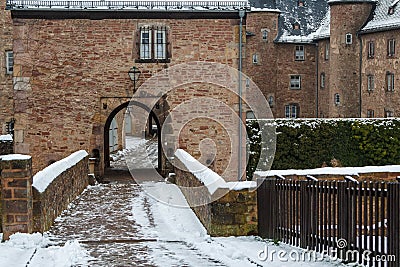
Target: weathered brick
(15, 206)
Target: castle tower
(347, 18)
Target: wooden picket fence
(360, 221)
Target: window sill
(153, 60)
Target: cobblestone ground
(102, 220)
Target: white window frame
(327, 48)
(336, 99)
(390, 82)
(370, 83)
(349, 38)
(322, 80)
(9, 62)
(391, 47)
(388, 113)
(160, 44)
(291, 111)
(295, 82)
(370, 113)
(146, 48)
(264, 33)
(299, 53)
(371, 49)
(255, 58)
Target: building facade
(65, 68)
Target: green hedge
(303, 144)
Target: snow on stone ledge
(43, 178)
(330, 171)
(14, 157)
(6, 137)
(209, 178)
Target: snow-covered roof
(324, 29)
(308, 16)
(386, 16)
(113, 5)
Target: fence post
(266, 202)
(16, 194)
(393, 206)
(342, 203)
(305, 213)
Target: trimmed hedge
(312, 143)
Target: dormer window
(391, 10)
(349, 38)
(296, 26)
(300, 2)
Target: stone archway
(114, 112)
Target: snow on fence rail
(168, 4)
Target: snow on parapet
(178, 5)
(14, 157)
(355, 171)
(43, 178)
(209, 178)
(6, 137)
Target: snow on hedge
(355, 171)
(6, 137)
(14, 157)
(43, 178)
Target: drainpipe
(241, 15)
(360, 74)
(317, 79)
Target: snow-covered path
(118, 224)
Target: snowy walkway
(118, 224)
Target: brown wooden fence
(360, 222)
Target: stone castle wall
(380, 99)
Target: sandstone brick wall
(325, 97)
(235, 214)
(16, 194)
(287, 65)
(6, 90)
(263, 73)
(62, 191)
(380, 99)
(69, 68)
(345, 58)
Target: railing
(204, 4)
(358, 222)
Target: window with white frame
(327, 48)
(389, 82)
(388, 113)
(322, 81)
(295, 82)
(299, 53)
(371, 49)
(391, 47)
(9, 62)
(255, 58)
(336, 99)
(153, 43)
(349, 38)
(292, 111)
(264, 35)
(271, 101)
(370, 83)
(370, 113)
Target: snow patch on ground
(36, 250)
